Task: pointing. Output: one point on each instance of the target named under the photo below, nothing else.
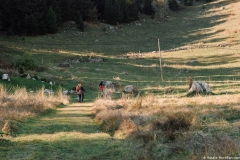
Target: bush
(111, 123)
(25, 61)
(174, 125)
(23, 104)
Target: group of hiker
(80, 90)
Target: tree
(159, 8)
(79, 21)
(10, 30)
(100, 4)
(113, 13)
(148, 8)
(52, 26)
(172, 4)
(131, 11)
(0, 21)
(33, 25)
(92, 14)
(87, 8)
(42, 27)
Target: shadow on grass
(74, 118)
(4, 144)
(68, 133)
(69, 147)
(131, 38)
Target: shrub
(137, 105)
(41, 68)
(22, 104)
(174, 125)
(111, 123)
(25, 61)
(208, 144)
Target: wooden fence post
(160, 60)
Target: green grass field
(194, 28)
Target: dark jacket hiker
(80, 91)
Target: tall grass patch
(174, 127)
(22, 104)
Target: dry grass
(217, 144)
(22, 104)
(202, 123)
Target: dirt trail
(69, 133)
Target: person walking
(77, 90)
(80, 91)
(101, 87)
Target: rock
(200, 87)
(5, 77)
(94, 60)
(64, 64)
(130, 89)
(109, 84)
(68, 92)
(49, 92)
(28, 76)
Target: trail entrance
(69, 133)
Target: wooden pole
(160, 60)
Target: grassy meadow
(161, 122)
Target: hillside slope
(207, 33)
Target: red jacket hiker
(77, 88)
(101, 86)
